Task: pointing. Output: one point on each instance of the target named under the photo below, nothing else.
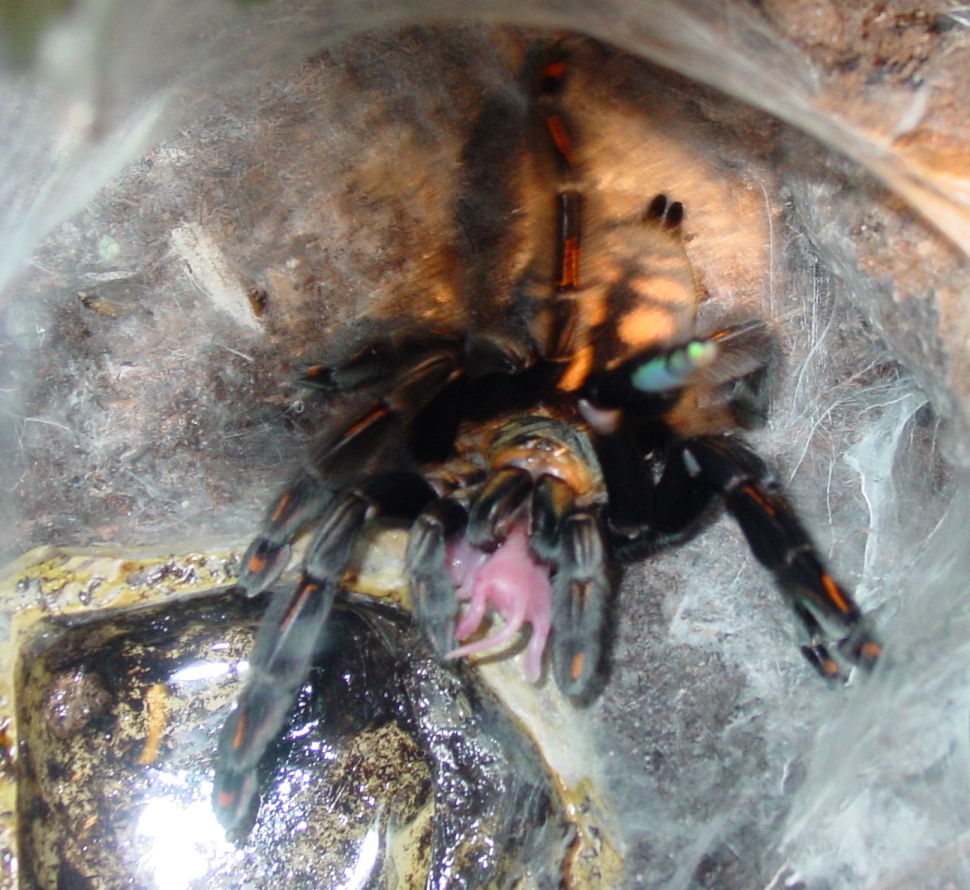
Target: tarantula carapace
(591, 425)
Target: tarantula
(584, 424)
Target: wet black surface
(388, 763)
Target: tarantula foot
(823, 662)
(861, 649)
(234, 791)
(858, 649)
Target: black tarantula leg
(347, 450)
(813, 647)
(549, 83)
(570, 541)
(432, 590)
(339, 456)
(289, 633)
(304, 499)
(580, 590)
(280, 661)
(555, 324)
(779, 542)
(382, 360)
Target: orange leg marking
(560, 137)
(569, 279)
(757, 495)
(281, 507)
(237, 739)
(366, 421)
(306, 588)
(555, 70)
(830, 667)
(578, 370)
(576, 668)
(835, 593)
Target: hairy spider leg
(302, 502)
(555, 323)
(650, 398)
(289, 634)
(580, 599)
(780, 543)
(432, 591)
(646, 516)
(382, 360)
(344, 453)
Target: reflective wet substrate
(392, 771)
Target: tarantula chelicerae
(582, 422)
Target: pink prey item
(514, 585)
